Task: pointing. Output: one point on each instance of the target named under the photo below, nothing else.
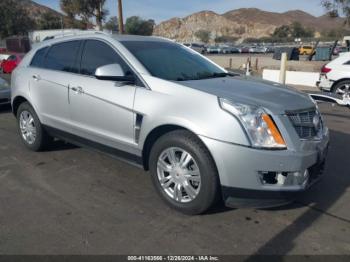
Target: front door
(102, 111)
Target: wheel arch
(17, 101)
(156, 133)
(339, 81)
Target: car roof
(99, 35)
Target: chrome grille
(304, 125)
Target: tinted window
(38, 58)
(172, 61)
(96, 54)
(62, 56)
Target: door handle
(36, 77)
(78, 90)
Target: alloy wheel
(179, 175)
(27, 127)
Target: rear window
(38, 58)
(62, 57)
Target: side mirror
(113, 72)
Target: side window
(62, 56)
(11, 58)
(96, 54)
(38, 58)
(347, 63)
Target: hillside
(243, 23)
(35, 10)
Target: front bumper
(240, 170)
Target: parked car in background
(270, 49)
(196, 47)
(214, 49)
(340, 49)
(335, 76)
(203, 133)
(306, 50)
(11, 63)
(230, 50)
(3, 56)
(260, 50)
(5, 92)
(245, 49)
(252, 49)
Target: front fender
(169, 103)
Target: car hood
(248, 90)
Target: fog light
(284, 178)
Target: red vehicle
(11, 63)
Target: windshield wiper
(208, 76)
(219, 75)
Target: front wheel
(184, 173)
(32, 133)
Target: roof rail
(75, 33)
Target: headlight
(261, 129)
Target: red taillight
(325, 70)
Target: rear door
(102, 110)
(51, 69)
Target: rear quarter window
(38, 59)
(62, 57)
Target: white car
(335, 76)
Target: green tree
(135, 25)
(14, 20)
(85, 10)
(112, 24)
(299, 31)
(49, 21)
(282, 31)
(71, 10)
(336, 8)
(203, 35)
(225, 39)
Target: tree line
(78, 14)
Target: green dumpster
(323, 53)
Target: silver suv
(203, 133)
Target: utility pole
(120, 17)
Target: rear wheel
(341, 88)
(33, 135)
(184, 173)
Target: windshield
(171, 61)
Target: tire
(41, 140)
(207, 190)
(340, 86)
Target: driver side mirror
(113, 72)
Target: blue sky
(161, 10)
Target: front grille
(304, 123)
